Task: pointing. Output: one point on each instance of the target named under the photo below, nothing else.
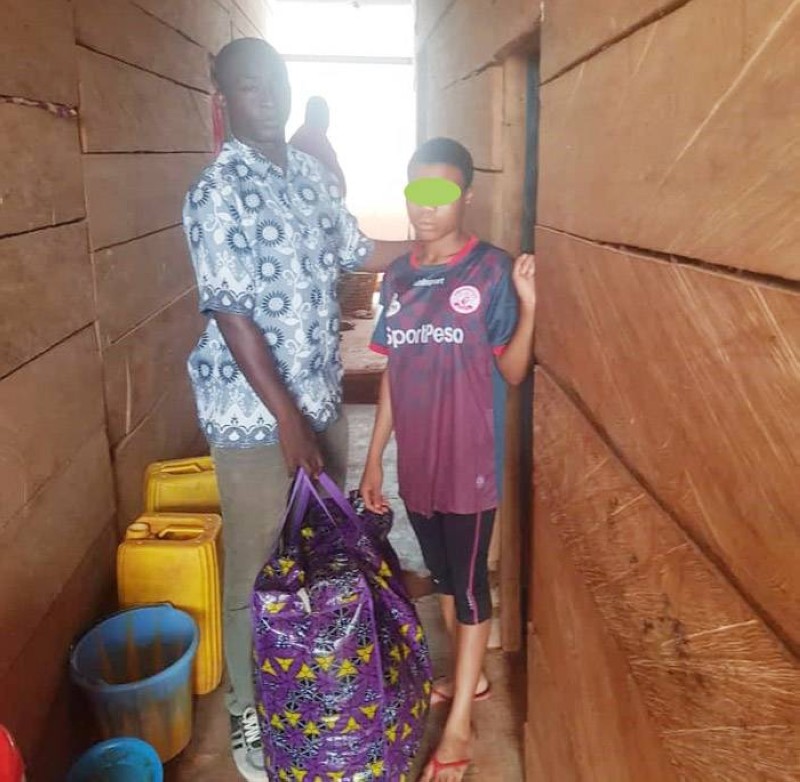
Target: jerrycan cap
(139, 530)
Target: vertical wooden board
(572, 29)
(170, 431)
(471, 112)
(37, 51)
(550, 754)
(142, 367)
(474, 33)
(205, 22)
(45, 542)
(122, 30)
(429, 13)
(701, 658)
(40, 161)
(259, 15)
(45, 291)
(124, 109)
(137, 279)
(128, 196)
(483, 214)
(678, 141)
(29, 685)
(709, 420)
(611, 733)
(47, 409)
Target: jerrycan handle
(180, 533)
(190, 468)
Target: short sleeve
(503, 309)
(354, 247)
(379, 342)
(221, 253)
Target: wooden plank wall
(665, 625)
(99, 312)
(472, 60)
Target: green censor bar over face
(433, 191)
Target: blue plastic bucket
(118, 760)
(136, 666)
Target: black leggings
(456, 551)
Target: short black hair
(240, 47)
(447, 151)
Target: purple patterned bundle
(343, 672)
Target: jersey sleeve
(379, 342)
(221, 254)
(503, 310)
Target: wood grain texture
(206, 22)
(124, 109)
(473, 34)
(40, 161)
(137, 279)
(609, 730)
(48, 408)
(682, 141)
(40, 670)
(32, 28)
(45, 542)
(122, 30)
(143, 366)
(45, 291)
(703, 661)
(695, 376)
(128, 196)
(572, 29)
(170, 431)
(471, 112)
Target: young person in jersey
(457, 326)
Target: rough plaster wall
(99, 312)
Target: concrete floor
(498, 721)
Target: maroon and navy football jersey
(441, 327)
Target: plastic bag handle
(337, 495)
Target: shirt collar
(261, 164)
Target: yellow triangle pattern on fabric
(394, 653)
(275, 608)
(285, 663)
(292, 717)
(276, 722)
(404, 630)
(420, 633)
(365, 653)
(336, 776)
(427, 687)
(385, 570)
(406, 650)
(377, 768)
(393, 675)
(325, 662)
(391, 733)
(347, 669)
(347, 599)
(330, 720)
(352, 726)
(407, 730)
(307, 532)
(305, 673)
(267, 667)
(299, 774)
(311, 729)
(369, 711)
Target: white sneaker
(248, 752)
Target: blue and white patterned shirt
(270, 247)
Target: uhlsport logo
(424, 335)
(465, 299)
(394, 306)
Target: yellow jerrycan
(174, 558)
(181, 486)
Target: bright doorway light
(359, 57)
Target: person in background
(268, 235)
(457, 326)
(312, 138)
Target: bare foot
(443, 690)
(450, 761)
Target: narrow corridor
(498, 720)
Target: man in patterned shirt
(268, 234)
